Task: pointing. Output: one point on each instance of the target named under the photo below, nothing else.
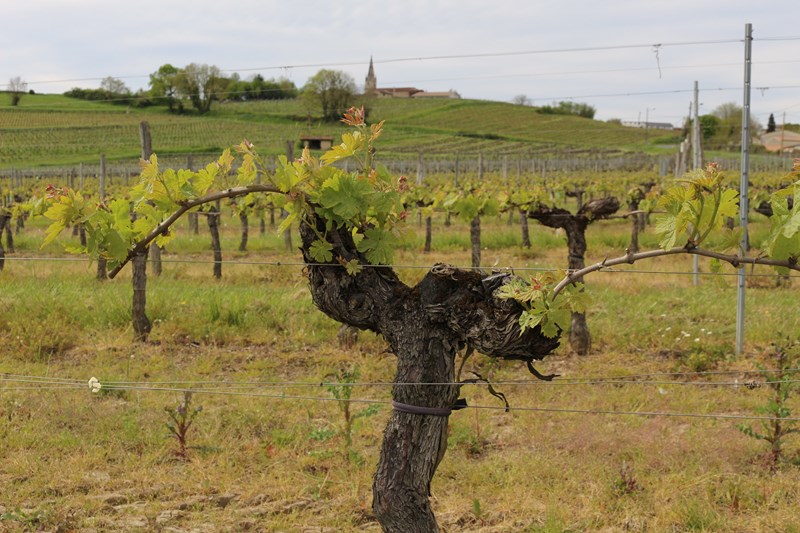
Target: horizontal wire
(60, 383)
(583, 378)
(540, 383)
(6, 376)
(438, 57)
(483, 407)
(608, 270)
(579, 72)
(621, 380)
(652, 93)
(41, 387)
(635, 413)
(495, 76)
(486, 407)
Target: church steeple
(371, 82)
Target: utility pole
(743, 201)
(783, 129)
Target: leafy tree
(569, 108)
(332, 90)
(277, 89)
(771, 123)
(260, 89)
(729, 132)
(17, 87)
(709, 125)
(114, 86)
(201, 84)
(521, 99)
(163, 87)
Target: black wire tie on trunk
(430, 411)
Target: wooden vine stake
(147, 151)
(213, 227)
(3, 222)
(102, 263)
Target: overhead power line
(648, 93)
(448, 57)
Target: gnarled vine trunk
(425, 327)
(574, 225)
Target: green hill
(53, 130)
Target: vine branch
(233, 192)
(631, 258)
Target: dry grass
(73, 460)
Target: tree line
(196, 84)
(330, 92)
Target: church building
(371, 89)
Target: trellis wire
(511, 269)
(565, 410)
(620, 380)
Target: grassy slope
(76, 461)
(54, 130)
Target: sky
(630, 60)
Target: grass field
(73, 460)
(52, 130)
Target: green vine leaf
(378, 246)
(353, 267)
(343, 198)
(321, 251)
(351, 143)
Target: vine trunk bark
(425, 327)
(575, 225)
(523, 222)
(245, 231)
(216, 247)
(141, 324)
(428, 231)
(9, 236)
(102, 269)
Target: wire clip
(94, 384)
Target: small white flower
(662, 391)
(697, 339)
(667, 328)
